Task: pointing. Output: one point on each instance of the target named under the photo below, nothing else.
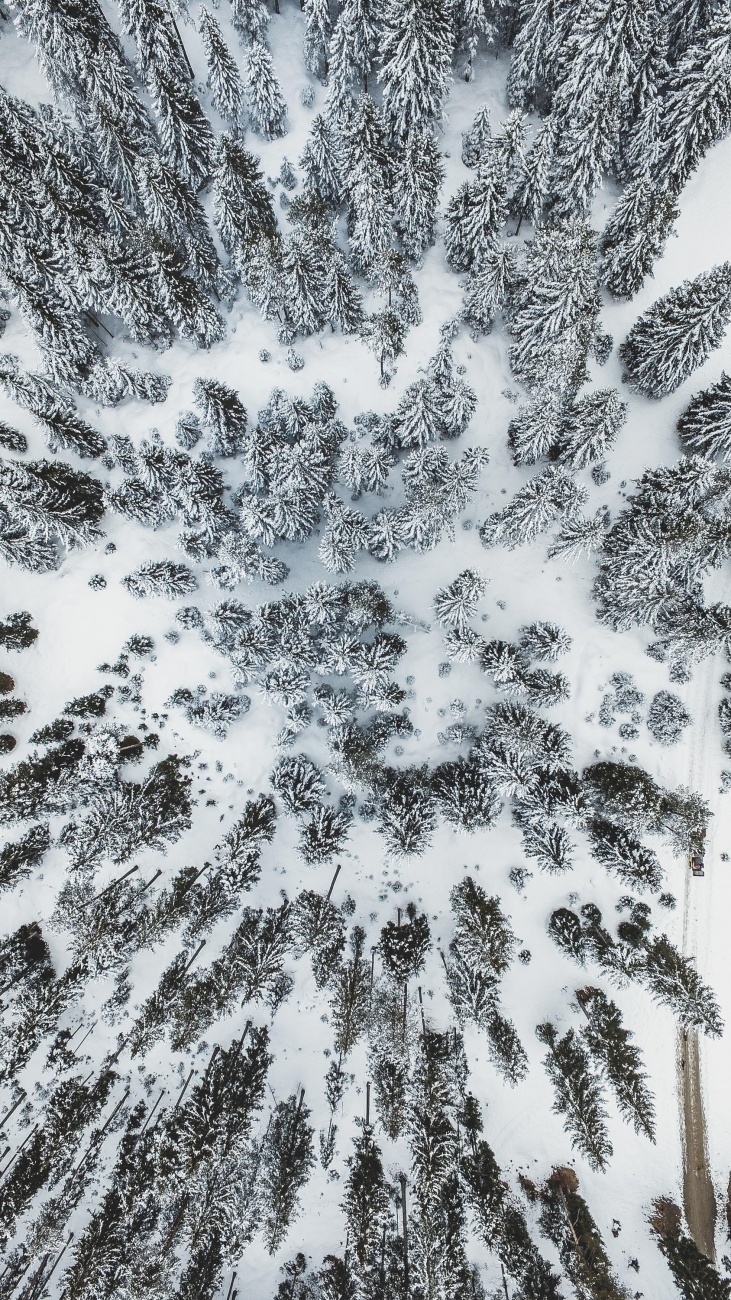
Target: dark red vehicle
(696, 860)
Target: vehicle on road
(696, 861)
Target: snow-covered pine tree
(420, 173)
(242, 205)
(694, 1275)
(477, 214)
(696, 108)
(548, 497)
(318, 31)
(611, 1046)
(416, 45)
(456, 604)
(554, 307)
(352, 47)
(224, 78)
(534, 432)
(567, 1221)
(635, 235)
(385, 332)
(286, 1161)
(674, 981)
(476, 142)
(350, 1002)
(590, 426)
(487, 287)
(321, 161)
(599, 70)
(185, 133)
(578, 1094)
(324, 834)
(475, 22)
(545, 641)
(705, 425)
(404, 944)
(540, 41)
(223, 413)
(250, 18)
(366, 1203)
(531, 193)
(84, 63)
(406, 815)
(264, 98)
(678, 333)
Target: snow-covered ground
(79, 628)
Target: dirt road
(699, 1199)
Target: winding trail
(699, 1199)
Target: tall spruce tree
(678, 333)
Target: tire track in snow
(699, 1198)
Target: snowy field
(81, 626)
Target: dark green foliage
(17, 632)
(287, 1159)
(693, 1274)
(404, 944)
(319, 930)
(86, 706)
(465, 795)
(619, 851)
(41, 785)
(499, 1217)
(667, 718)
(611, 1046)
(674, 981)
(18, 859)
(567, 1222)
(366, 1202)
(407, 817)
(124, 815)
(351, 991)
(578, 1095)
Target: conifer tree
(242, 206)
(222, 411)
(532, 191)
(185, 133)
(366, 1203)
(264, 99)
(250, 18)
(287, 1159)
(318, 31)
(705, 425)
(420, 177)
(487, 287)
(694, 1275)
(350, 1000)
(696, 109)
(476, 142)
(554, 307)
(353, 46)
(611, 1046)
(567, 1222)
(416, 51)
(678, 333)
(590, 426)
(578, 1095)
(635, 235)
(224, 79)
(476, 215)
(321, 161)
